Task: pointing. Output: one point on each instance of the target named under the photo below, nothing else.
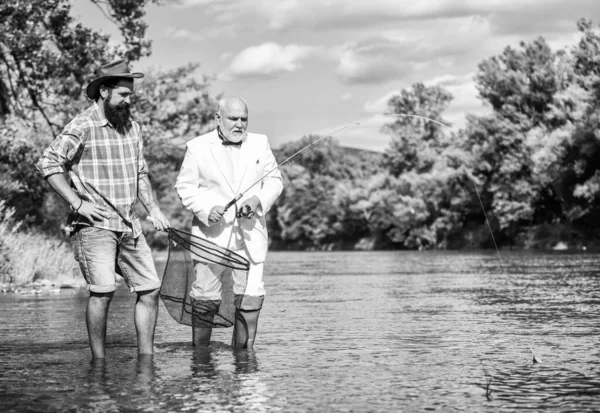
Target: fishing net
(179, 275)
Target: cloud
(410, 52)
(269, 60)
(371, 61)
(506, 15)
(182, 34)
(516, 17)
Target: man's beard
(236, 138)
(119, 116)
(230, 137)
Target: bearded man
(101, 151)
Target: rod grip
(233, 201)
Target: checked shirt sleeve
(61, 151)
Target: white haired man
(216, 168)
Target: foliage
(314, 211)
(46, 58)
(536, 153)
(20, 184)
(26, 256)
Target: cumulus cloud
(336, 14)
(371, 61)
(517, 17)
(400, 54)
(268, 59)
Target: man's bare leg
(96, 317)
(146, 313)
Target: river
(339, 332)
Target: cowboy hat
(113, 70)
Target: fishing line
(362, 122)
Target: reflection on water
(381, 331)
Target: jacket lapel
(246, 158)
(222, 159)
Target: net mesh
(179, 275)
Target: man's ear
(103, 92)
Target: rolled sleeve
(61, 151)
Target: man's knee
(101, 298)
(244, 302)
(149, 297)
(206, 307)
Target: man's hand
(216, 214)
(160, 221)
(249, 207)
(92, 211)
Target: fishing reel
(245, 212)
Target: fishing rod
(241, 194)
(354, 124)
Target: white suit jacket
(207, 178)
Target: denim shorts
(103, 255)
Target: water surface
(339, 332)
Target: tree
(520, 84)
(46, 57)
(536, 154)
(416, 142)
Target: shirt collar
(98, 117)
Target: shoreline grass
(28, 257)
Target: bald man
(217, 167)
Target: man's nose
(127, 100)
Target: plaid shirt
(104, 167)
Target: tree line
(527, 168)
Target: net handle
(232, 256)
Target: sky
(314, 66)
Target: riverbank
(49, 267)
(42, 287)
(68, 282)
